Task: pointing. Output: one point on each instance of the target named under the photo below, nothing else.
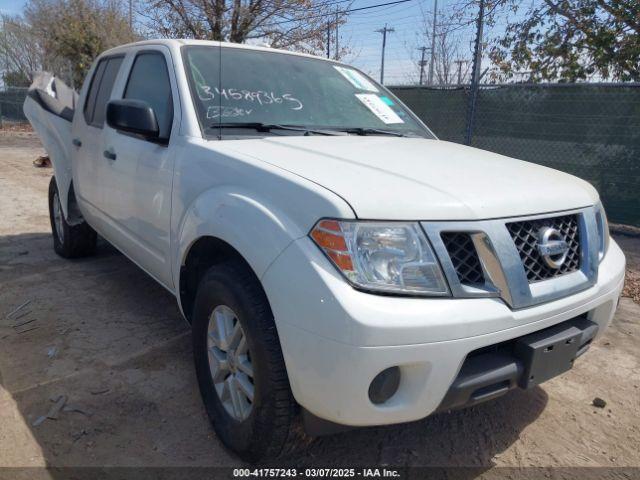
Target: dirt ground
(101, 332)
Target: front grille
(525, 236)
(464, 257)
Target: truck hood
(395, 178)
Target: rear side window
(100, 90)
(149, 82)
(90, 103)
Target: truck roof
(180, 42)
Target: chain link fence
(588, 130)
(11, 101)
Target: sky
(11, 7)
(408, 20)
(365, 43)
(401, 56)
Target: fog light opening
(384, 385)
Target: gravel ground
(103, 334)
(632, 282)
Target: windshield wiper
(370, 131)
(267, 127)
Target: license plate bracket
(547, 353)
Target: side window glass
(100, 90)
(149, 82)
(104, 93)
(90, 102)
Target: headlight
(392, 257)
(603, 231)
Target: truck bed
(49, 107)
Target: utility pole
(131, 15)
(328, 39)
(475, 74)
(6, 54)
(422, 63)
(459, 63)
(384, 32)
(433, 41)
(337, 49)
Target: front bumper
(336, 339)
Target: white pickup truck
(339, 265)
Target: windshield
(239, 91)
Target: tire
(230, 293)
(69, 241)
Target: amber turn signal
(329, 237)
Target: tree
(72, 33)
(571, 40)
(302, 24)
(20, 52)
(15, 79)
(450, 51)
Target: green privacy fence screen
(592, 131)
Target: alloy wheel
(230, 362)
(58, 218)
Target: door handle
(77, 142)
(109, 155)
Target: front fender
(259, 232)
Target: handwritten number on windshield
(259, 97)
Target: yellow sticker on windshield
(379, 108)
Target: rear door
(138, 181)
(88, 139)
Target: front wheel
(239, 364)
(69, 241)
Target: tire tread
(284, 425)
(79, 240)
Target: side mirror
(133, 116)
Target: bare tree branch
(300, 24)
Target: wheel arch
(227, 223)
(204, 253)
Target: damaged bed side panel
(49, 107)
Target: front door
(137, 187)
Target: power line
(322, 15)
(378, 13)
(410, 19)
(307, 8)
